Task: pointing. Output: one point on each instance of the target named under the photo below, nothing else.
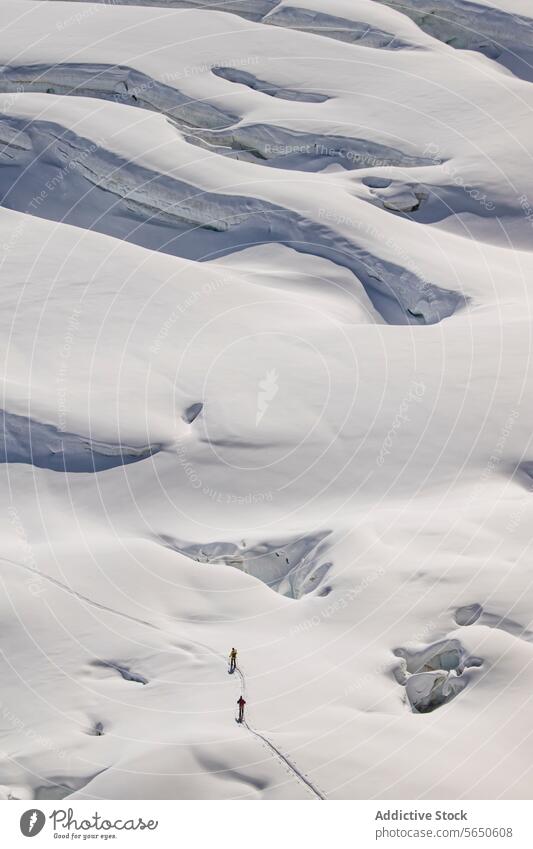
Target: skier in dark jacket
(232, 660)
(241, 702)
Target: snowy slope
(266, 333)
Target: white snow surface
(266, 335)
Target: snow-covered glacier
(266, 334)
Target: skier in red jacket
(241, 702)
